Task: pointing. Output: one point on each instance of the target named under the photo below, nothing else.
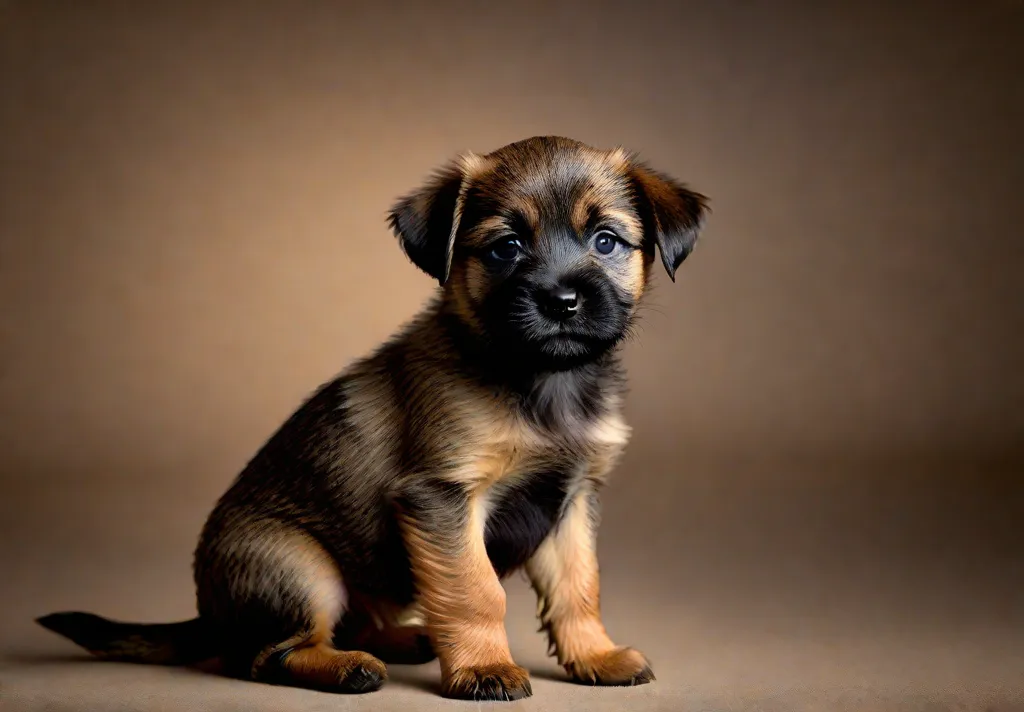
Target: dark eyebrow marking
(594, 218)
(518, 223)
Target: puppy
(376, 525)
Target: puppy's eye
(506, 250)
(605, 242)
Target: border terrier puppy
(376, 525)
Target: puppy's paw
(490, 682)
(621, 666)
(360, 673)
(324, 669)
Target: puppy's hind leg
(393, 640)
(276, 595)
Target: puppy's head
(544, 247)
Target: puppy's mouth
(570, 339)
(571, 344)
(563, 332)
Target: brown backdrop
(828, 406)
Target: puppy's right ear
(426, 221)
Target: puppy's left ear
(426, 221)
(672, 215)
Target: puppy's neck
(563, 400)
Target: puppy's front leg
(564, 573)
(459, 592)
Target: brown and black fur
(376, 524)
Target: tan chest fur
(508, 446)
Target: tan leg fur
(564, 573)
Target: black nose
(560, 302)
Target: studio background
(823, 496)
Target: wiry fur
(375, 525)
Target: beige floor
(800, 586)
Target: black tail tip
(52, 621)
(68, 623)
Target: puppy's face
(544, 247)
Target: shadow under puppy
(377, 523)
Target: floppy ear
(427, 220)
(672, 215)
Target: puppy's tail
(181, 643)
